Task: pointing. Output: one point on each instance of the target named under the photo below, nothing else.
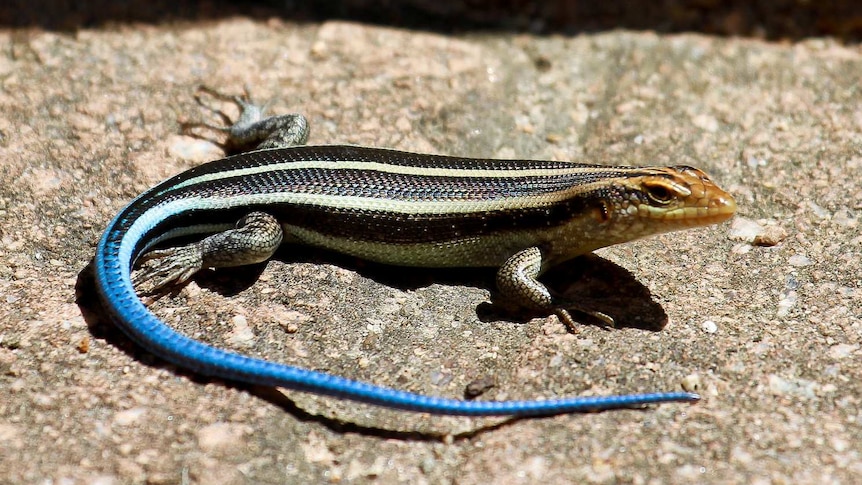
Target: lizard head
(678, 196)
(655, 200)
(622, 205)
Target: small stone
(753, 232)
(691, 383)
(754, 162)
(290, 320)
(839, 445)
(786, 303)
(428, 465)
(556, 360)
(479, 386)
(844, 218)
(771, 236)
(798, 387)
(84, 345)
(709, 326)
(818, 211)
(554, 138)
(706, 123)
(440, 378)
(841, 351)
(741, 248)
(192, 149)
(778, 386)
(241, 333)
(740, 455)
(799, 261)
(222, 436)
(744, 229)
(129, 416)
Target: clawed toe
(598, 318)
(166, 267)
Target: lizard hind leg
(254, 240)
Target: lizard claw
(598, 318)
(167, 267)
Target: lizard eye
(659, 192)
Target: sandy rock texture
(761, 315)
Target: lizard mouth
(719, 206)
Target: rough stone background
(92, 96)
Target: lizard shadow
(593, 283)
(598, 284)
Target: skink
(393, 207)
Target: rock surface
(91, 118)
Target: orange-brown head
(637, 203)
(676, 198)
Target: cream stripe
(396, 169)
(382, 204)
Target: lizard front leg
(517, 279)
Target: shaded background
(771, 19)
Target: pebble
(799, 261)
(771, 236)
(744, 229)
(797, 387)
(479, 387)
(440, 378)
(129, 416)
(226, 437)
(786, 303)
(841, 351)
(709, 326)
(691, 383)
(241, 333)
(753, 232)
